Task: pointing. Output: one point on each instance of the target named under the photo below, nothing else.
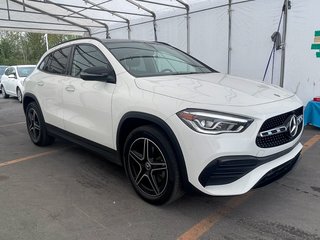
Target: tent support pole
(24, 7)
(8, 10)
(152, 15)
(113, 13)
(284, 39)
(229, 37)
(107, 33)
(187, 7)
(188, 31)
(155, 28)
(129, 30)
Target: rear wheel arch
(133, 120)
(28, 98)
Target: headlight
(213, 122)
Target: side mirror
(99, 74)
(12, 76)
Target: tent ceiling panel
(40, 27)
(81, 19)
(89, 15)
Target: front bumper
(229, 169)
(259, 176)
(253, 162)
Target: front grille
(280, 138)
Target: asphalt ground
(64, 192)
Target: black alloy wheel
(151, 165)
(148, 167)
(33, 125)
(36, 126)
(19, 95)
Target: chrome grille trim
(280, 129)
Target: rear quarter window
(56, 62)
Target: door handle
(70, 88)
(40, 83)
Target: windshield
(2, 68)
(142, 59)
(25, 71)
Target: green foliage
(55, 39)
(26, 48)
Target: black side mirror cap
(99, 73)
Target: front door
(87, 104)
(7, 82)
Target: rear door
(49, 82)
(13, 82)
(87, 104)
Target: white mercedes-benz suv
(169, 119)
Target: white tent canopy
(84, 16)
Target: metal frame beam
(44, 29)
(62, 16)
(40, 22)
(87, 8)
(52, 15)
(153, 14)
(95, 8)
(161, 4)
(83, 15)
(115, 14)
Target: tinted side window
(44, 63)
(57, 61)
(86, 56)
(8, 71)
(13, 71)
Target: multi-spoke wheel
(151, 165)
(19, 95)
(3, 92)
(36, 126)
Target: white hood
(213, 88)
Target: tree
(55, 39)
(26, 48)
(34, 46)
(9, 48)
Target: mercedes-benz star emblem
(293, 126)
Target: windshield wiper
(187, 73)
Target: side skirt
(110, 154)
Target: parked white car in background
(2, 69)
(12, 80)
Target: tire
(36, 126)
(3, 92)
(19, 95)
(155, 179)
